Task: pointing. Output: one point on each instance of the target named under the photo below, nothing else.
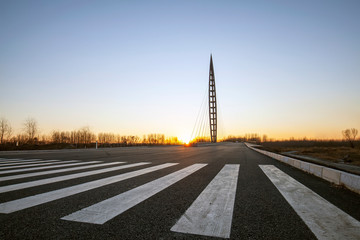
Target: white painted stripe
(26, 175)
(324, 219)
(27, 202)
(33, 165)
(104, 211)
(17, 160)
(211, 213)
(66, 177)
(48, 167)
(22, 163)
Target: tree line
(349, 137)
(249, 137)
(31, 135)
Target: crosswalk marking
(324, 219)
(66, 177)
(211, 213)
(27, 202)
(104, 211)
(15, 160)
(5, 160)
(32, 165)
(23, 163)
(26, 175)
(48, 167)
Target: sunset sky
(282, 68)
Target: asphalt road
(223, 186)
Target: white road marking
(27, 202)
(66, 177)
(22, 163)
(211, 213)
(32, 165)
(104, 211)
(26, 175)
(5, 160)
(324, 219)
(9, 160)
(48, 167)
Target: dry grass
(333, 153)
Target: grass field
(339, 152)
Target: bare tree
(31, 128)
(5, 130)
(265, 138)
(350, 135)
(85, 135)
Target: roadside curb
(348, 180)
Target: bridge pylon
(212, 103)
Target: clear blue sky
(282, 68)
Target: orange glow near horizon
(185, 139)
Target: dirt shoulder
(332, 153)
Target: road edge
(348, 180)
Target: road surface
(173, 192)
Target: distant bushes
(307, 143)
(82, 138)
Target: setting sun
(185, 139)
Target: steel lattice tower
(212, 103)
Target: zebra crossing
(324, 219)
(47, 167)
(210, 214)
(3, 160)
(218, 199)
(63, 178)
(32, 165)
(2, 164)
(110, 208)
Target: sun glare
(185, 139)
